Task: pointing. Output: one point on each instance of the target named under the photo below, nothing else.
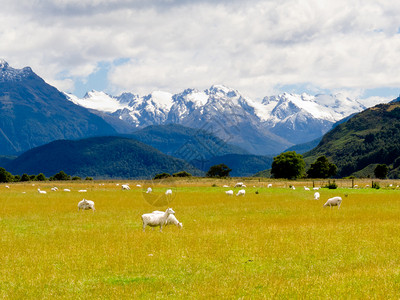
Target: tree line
(6, 176)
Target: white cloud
(252, 46)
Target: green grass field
(279, 243)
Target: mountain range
(264, 128)
(33, 113)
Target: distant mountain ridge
(33, 113)
(99, 157)
(184, 142)
(269, 127)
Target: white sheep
(82, 191)
(306, 188)
(7, 187)
(86, 204)
(125, 187)
(225, 186)
(335, 201)
(41, 192)
(229, 193)
(138, 185)
(54, 189)
(149, 190)
(155, 219)
(316, 188)
(168, 192)
(239, 184)
(171, 220)
(316, 196)
(241, 193)
(67, 190)
(269, 185)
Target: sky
(260, 48)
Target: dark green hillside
(184, 142)
(100, 157)
(370, 137)
(241, 165)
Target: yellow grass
(279, 243)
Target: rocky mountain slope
(33, 113)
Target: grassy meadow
(279, 243)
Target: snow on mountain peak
(98, 101)
(3, 64)
(164, 99)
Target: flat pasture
(276, 243)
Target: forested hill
(99, 157)
(370, 137)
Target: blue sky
(259, 48)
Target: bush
(161, 176)
(76, 178)
(332, 185)
(182, 174)
(375, 185)
(89, 178)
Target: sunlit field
(277, 243)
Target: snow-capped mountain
(266, 127)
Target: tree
(288, 165)
(381, 171)
(40, 177)
(322, 168)
(220, 170)
(25, 177)
(61, 176)
(5, 176)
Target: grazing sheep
(7, 187)
(86, 204)
(54, 189)
(41, 192)
(226, 185)
(67, 190)
(155, 219)
(269, 185)
(171, 220)
(335, 201)
(241, 193)
(229, 193)
(316, 188)
(125, 187)
(316, 196)
(292, 187)
(138, 185)
(306, 188)
(239, 184)
(168, 192)
(149, 190)
(82, 191)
